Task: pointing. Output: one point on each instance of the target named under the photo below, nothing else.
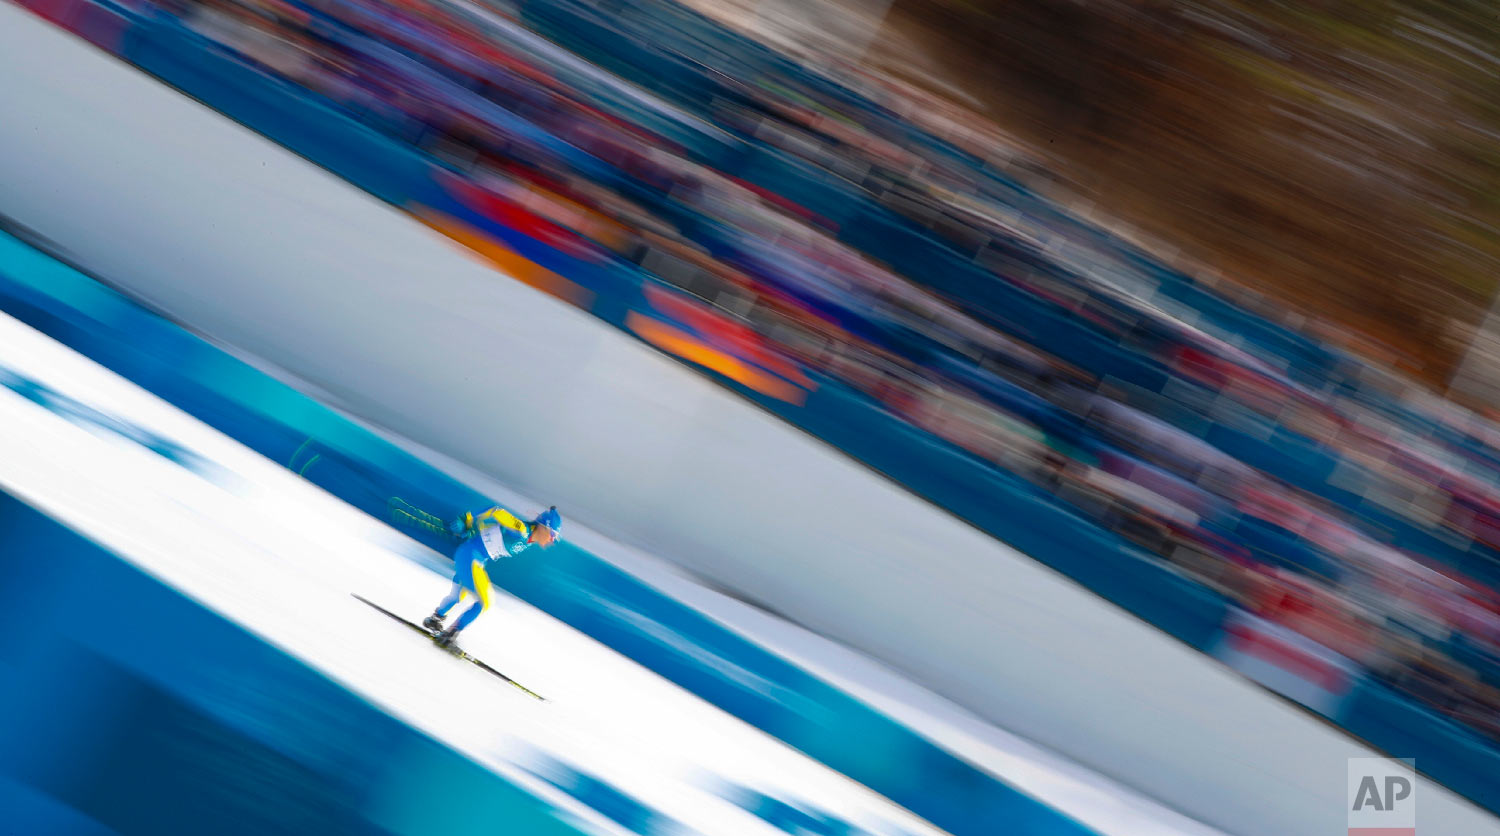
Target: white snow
(281, 557)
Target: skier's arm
(499, 516)
(463, 527)
(470, 523)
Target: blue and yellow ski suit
(492, 535)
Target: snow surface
(279, 556)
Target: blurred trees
(1343, 155)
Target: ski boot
(446, 637)
(433, 622)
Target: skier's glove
(462, 527)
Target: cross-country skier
(487, 537)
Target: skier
(488, 536)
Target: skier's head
(545, 528)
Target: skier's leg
(447, 603)
(463, 557)
(481, 590)
(434, 622)
(469, 562)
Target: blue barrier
(143, 712)
(1444, 750)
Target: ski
(452, 651)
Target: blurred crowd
(854, 227)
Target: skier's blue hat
(549, 518)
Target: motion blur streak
(860, 261)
